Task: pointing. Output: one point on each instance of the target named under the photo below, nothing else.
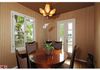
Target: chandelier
(47, 11)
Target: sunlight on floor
(67, 62)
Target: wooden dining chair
(57, 45)
(73, 57)
(31, 47)
(22, 60)
(71, 65)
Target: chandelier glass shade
(47, 11)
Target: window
(66, 34)
(23, 30)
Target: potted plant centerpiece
(49, 47)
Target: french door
(66, 34)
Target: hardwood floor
(77, 64)
(80, 64)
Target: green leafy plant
(49, 46)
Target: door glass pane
(62, 32)
(69, 37)
(70, 26)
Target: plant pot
(48, 52)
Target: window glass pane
(19, 31)
(19, 39)
(19, 23)
(29, 30)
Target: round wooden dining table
(43, 60)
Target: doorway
(66, 34)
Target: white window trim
(12, 30)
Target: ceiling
(61, 7)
